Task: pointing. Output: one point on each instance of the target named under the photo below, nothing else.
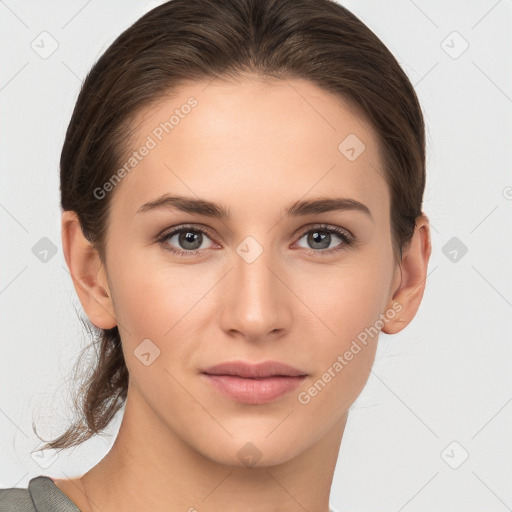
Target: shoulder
(16, 500)
(41, 494)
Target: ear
(88, 273)
(411, 279)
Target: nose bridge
(254, 302)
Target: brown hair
(198, 40)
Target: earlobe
(413, 278)
(88, 273)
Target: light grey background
(439, 391)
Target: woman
(242, 186)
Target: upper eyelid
(172, 231)
(328, 227)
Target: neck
(160, 472)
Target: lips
(260, 370)
(254, 383)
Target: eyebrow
(214, 210)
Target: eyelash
(348, 240)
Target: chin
(253, 451)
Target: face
(259, 284)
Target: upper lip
(249, 370)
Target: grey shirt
(42, 495)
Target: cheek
(343, 301)
(343, 360)
(165, 304)
(152, 296)
(347, 306)
(145, 306)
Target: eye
(320, 237)
(188, 239)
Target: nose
(255, 298)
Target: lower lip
(254, 391)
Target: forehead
(253, 143)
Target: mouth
(254, 383)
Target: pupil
(321, 237)
(188, 237)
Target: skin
(255, 147)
